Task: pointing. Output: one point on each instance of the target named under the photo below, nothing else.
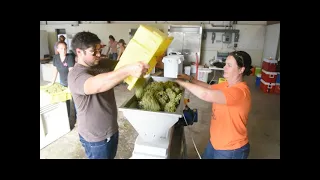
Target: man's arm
(106, 81)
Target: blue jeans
(113, 56)
(240, 153)
(106, 149)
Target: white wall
(251, 35)
(251, 40)
(119, 31)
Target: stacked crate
(269, 82)
(147, 44)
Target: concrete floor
(263, 127)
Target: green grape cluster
(159, 96)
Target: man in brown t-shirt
(91, 83)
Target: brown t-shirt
(96, 113)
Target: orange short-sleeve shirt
(228, 121)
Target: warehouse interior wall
(252, 36)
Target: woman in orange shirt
(231, 103)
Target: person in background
(63, 64)
(112, 51)
(122, 47)
(231, 104)
(91, 83)
(61, 39)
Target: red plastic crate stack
(269, 75)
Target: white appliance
(155, 129)
(173, 65)
(156, 148)
(54, 122)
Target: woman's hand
(183, 77)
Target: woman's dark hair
(122, 41)
(111, 37)
(62, 36)
(243, 59)
(84, 40)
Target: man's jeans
(211, 153)
(106, 149)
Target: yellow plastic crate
(222, 80)
(56, 97)
(146, 45)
